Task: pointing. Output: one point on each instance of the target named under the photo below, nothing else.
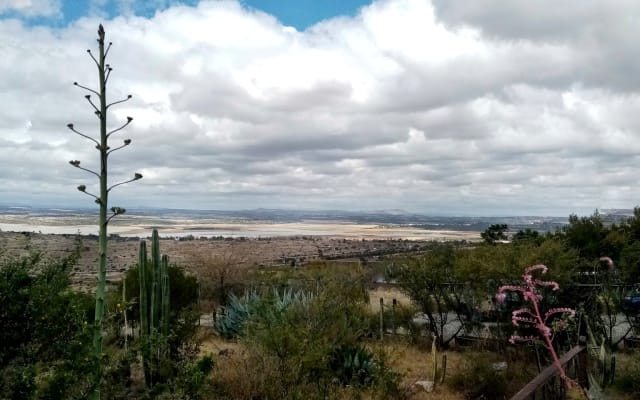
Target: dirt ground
(194, 254)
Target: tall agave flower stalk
(154, 306)
(101, 144)
(532, 316)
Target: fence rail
(547, 384)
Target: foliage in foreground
(628, 378)
(44, 340)
(179, 371)
(477, 379)
(309, 346)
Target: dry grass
(622, 363)
(234, 363)
(387, 294)
(214, 344)
(415, 365)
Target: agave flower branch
(72, 128)
(76, 163)
(533, 317)
(83, 189)
(120, 101)
(136, 176)
(125, 143)
(116, 211)
(129, 119)
(100, 110)
(86, 88)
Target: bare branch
(76, 164)
(94, 59)
(109, 69)
(116, 211)
(70, 126)
(119, 101)
(83, 189)
(136, 177)
(88, 97)
(86, 88)
(129, 119)
(125, 144)
(106, 52)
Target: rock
(426, 385)
(500, 366)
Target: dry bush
(221, 273)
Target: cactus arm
(142, 278)
(165, 295)
(156, 286)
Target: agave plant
(353, 365)
(231, 320)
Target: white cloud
(442, 109)
(31, 8)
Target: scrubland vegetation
(313, 331)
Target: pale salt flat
(140, 226)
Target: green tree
(587, 235)
(495, 233)
(100, 110)
(428, 280)
(527, 235)
(629, 265)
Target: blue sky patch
(300, 14)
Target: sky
(443, 107)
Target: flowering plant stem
(102, 145)
(534, 318)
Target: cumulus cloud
(31, 8)
(440, 107)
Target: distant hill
(263, 215)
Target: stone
(500, 366)
(426, 385)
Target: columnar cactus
(154, 305)
(104, 71)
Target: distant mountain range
(391, 217)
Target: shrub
(478, 379)
(303, 345)
(628, 379)
(44, 340)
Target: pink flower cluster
(531, 316)
(525, 316)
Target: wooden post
(381, 318)
(444, 367)
(393, 316)
(434, 358)
(581, 370)
(124, 312)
